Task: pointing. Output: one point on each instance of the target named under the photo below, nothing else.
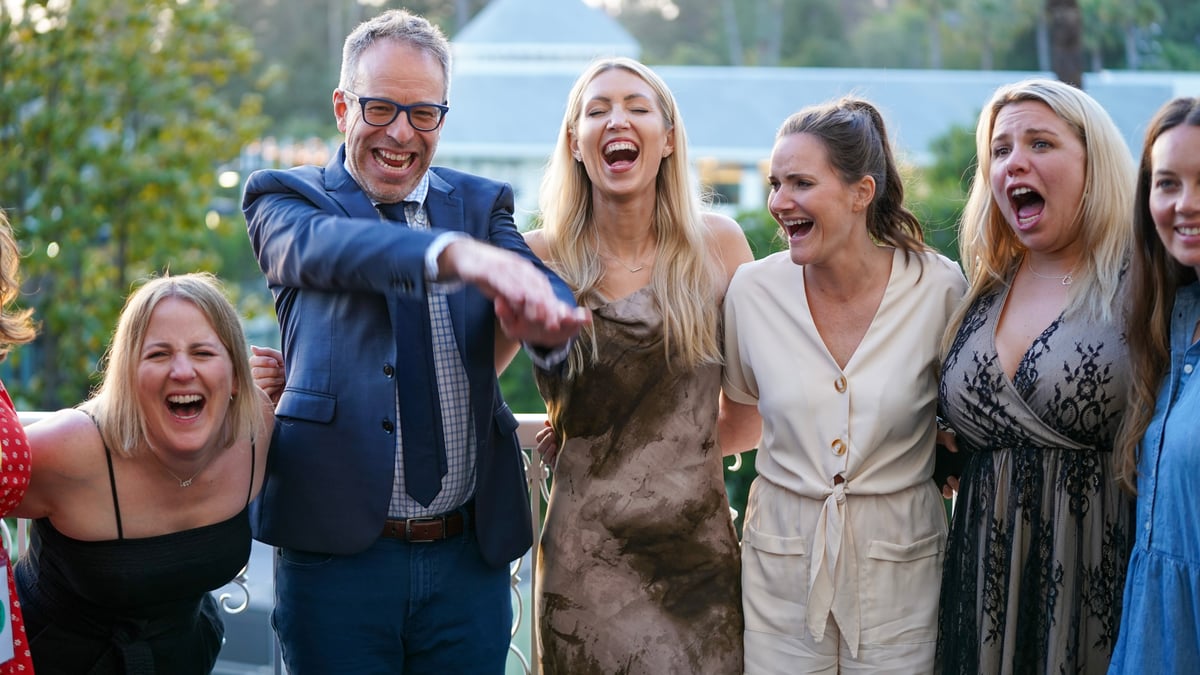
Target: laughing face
(388, 162)
(184, 379)
(1175, 192)
(621, 134)
(1038, 169)
(819, 212)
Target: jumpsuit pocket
(774, 582)
(901, 584)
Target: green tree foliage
(113, 125)
(937, 193)
(984, 34)
(301, 42)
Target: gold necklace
(1064, 279)
(622, 263)
(632, 270)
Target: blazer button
(388, 427)
(388, 371)
(840, 384)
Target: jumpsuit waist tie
(833, 575)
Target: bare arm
(739, 426)
(66, 455)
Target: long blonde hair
(684, 280)
(989, 249)
(1155, 276)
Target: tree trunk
(1043, 42)
(1066, 38)
(934, 26)
(1133, 60)
(770, 32)
(733, 38)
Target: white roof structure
(516, 61)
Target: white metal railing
(236, 601)
(536, 474)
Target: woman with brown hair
(1157, 448)
(836, 342)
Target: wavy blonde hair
(1154, 277)
(115, 407)
(990, 252)
(684, 281)
(16, 327)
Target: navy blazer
(337, 273)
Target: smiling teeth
(393, 156)
(1189, 231)
(619, 146)
(184, 398)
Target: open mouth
(397, 161)
(1028, 204)
(620, 153)
(185, 406)
(797, 228)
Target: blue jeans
(396, 608)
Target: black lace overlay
(1035, 562)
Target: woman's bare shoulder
(536, 239)
(727, 242)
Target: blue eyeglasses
(380, 112)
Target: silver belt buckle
(408, 523)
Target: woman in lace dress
(1157, 447)
(639, 559)
(1033, 383)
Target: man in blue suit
(395, 491)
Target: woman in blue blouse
(1159, 448)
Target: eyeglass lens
(382, 113)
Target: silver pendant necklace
(183, 483)
(188, 482)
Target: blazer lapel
(343, 190)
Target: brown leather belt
(432, 528)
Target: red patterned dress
(14, 479)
